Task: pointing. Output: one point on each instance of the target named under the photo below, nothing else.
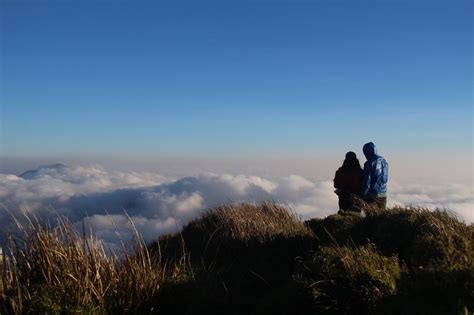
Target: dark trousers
(349, 202)
(370, 205)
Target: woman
(348, 181)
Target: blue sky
(228, 78)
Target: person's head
(370, 151)
(351, 160)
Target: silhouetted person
(374, 184)
(348, 181)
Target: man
(374, 183)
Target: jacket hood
(370, 151)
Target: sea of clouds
(102, 200)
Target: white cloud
(159, 204)
(456, 197)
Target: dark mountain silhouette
(31, 174)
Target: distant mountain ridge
(31, 174)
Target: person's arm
(385, 172)
(366, 179)
(337, 180)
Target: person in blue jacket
(374, 183)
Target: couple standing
(362, 189)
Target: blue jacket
(375, 172)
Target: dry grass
(251, 221)
(248, 258)
(56, 268)
(246, 230)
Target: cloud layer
(158, 204)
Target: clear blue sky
(233, 78)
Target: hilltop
(254, 259)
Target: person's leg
(356, 203)
(344, 201)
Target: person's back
(348, 180)
(374, 184)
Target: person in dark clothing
(348, 181)
(374, 183)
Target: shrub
(349, 280)
(227, 228)
(239, 252)
(337, 229)
(421, 237)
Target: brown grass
(248, 258)
(247, 221)
(60, 269)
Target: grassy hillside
(252, 259)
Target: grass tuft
(56, 268)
